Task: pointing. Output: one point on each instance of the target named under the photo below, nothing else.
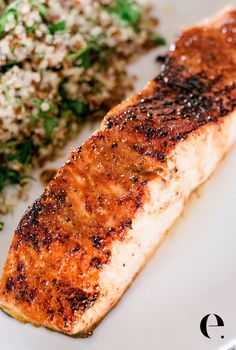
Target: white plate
(190, 276)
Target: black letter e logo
(204, 324)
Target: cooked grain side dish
(60, 62)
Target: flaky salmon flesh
(80, 245)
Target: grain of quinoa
(61, 61)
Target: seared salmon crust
(79, 246)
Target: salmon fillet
(80, 245)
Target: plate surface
(191, 275)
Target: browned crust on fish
(65, 239)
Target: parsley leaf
(23, 153)
(10, 9)
(57, 27)
(49, 124)
(41, 7)
(8, 176)
(49, 118)
(37, 102)
(33, 28)
(128, 11)
(89, 54)
(1, 225)
(7, 145)
(157, 40)
(79, 108)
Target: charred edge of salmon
(182, 101)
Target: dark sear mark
(97, 241)
(183, 102)
(97, 263)
(9, 285)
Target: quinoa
(61, 61)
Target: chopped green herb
(42, 7)
(52, 107)
(97, 87)
(84, 55)
(89, 54)
(76, 107)
(1, 225)
(57, 27)
(10, 9)
(128, 11)
(23, 153)
(33, 119)
(50, 119)
(157, 40)
(8, 177)
(33, 28)
(79, 108)
(50, 124)
(8, 145)
(37, 102)
(40, 56)
(66, 113)
(5, 91)
(42, 10)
